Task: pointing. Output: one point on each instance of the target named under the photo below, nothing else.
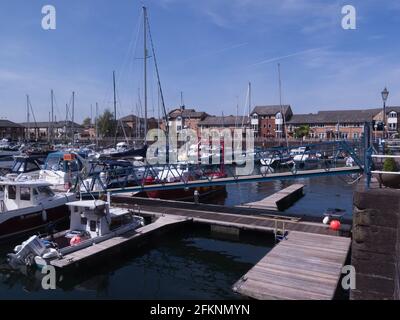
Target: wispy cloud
(279, 58)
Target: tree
(302, 131)
(87, 122)
(106, 124)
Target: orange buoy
(75, 241)
(335, 225)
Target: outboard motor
(26, 252)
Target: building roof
(337, 116)
(228, 121)
(46, 124)
(9, 124)
(272, 110)
(134, 118)
(187, 113)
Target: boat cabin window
(25, 194)
(46, 191)
(18, 167)
(54, 163)
(83, 221)
(12, 192)
(93, 225)
(30, 166)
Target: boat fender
(326, 220)
(44, 215)
(50, 254)
(40, 262)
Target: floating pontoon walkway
(161, 224)
(233, 217)
(280, 200)
(237, 179)
(304, 267)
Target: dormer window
(278, 116)
(393, 114)
(255, 116)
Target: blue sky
(209, 49)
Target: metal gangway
(331, 158)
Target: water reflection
(190, 264)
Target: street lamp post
(385, 94)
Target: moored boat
(28, 205)
(91, 222)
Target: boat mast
(249, 98)
(145, 69)
(115, 109)
(73, 117)
(283, 133)
(96, 124)
(27, 118)
(52, 116)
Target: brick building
(269, 121)
(11, 130)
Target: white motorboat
(28, 205)
(92, 222)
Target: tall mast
(73, 117)
(145, 68)
(283, 133)
(66, 122)
(115, 99)
(27, 118)
(249, 98)
(52, 116)
(96, 124)
(115, 109)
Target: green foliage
(390, 165)
(87, 122)
(302, 131)
(106, 124)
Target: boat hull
(185, 193)
(31, 222)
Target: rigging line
(158, 76)
(120, 116)
(245, 106)
(33, 113)
(132, 45)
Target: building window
(355, 135)
(392, 114)
(278, 116)
(255, 116)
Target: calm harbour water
(192, 264)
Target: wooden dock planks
(305, 266)
(89, 252)
(280, 200)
